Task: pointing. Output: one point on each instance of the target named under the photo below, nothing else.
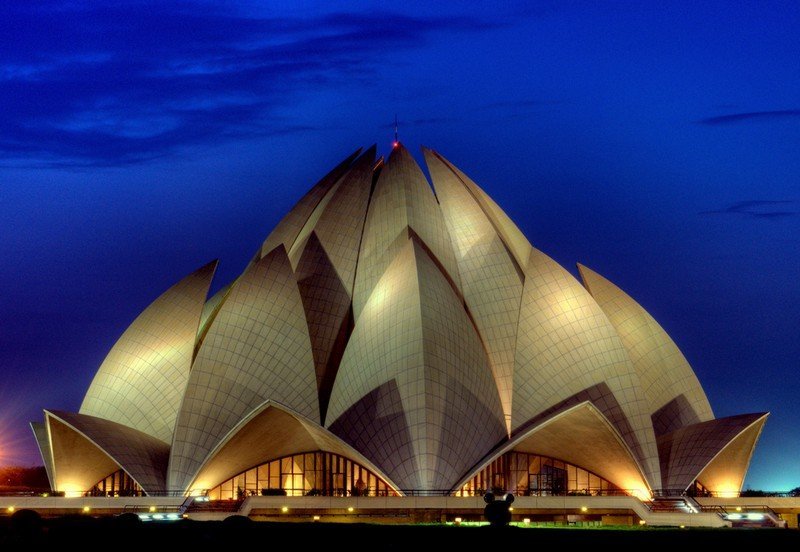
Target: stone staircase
(680, 504)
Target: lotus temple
(398, 344)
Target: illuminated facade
(310, 474)
(387, 340)
(527, 474)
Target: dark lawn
(109, 534)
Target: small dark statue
(497, 512)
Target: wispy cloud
(758, 208)
(522, 103)
(751, 116)
(119, 83)
(418, 122)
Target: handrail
(657, 493)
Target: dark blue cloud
(758, 208)
(751, 116)
(522, 103)
(112, 85)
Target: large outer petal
(715, 452)
(257, 348)
(271, 431)
(415, 394)
(142, 380)
(663, 370)
(402, 200)
(87, 449)
(581, 435)
(490, 279)
(566, 344)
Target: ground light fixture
(86, 509)
(162, 517)
(284, 509)
(10, 509)
(584, 509)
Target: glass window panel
(583, 479)
(226, 490)
(250, 479)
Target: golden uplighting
(457, 521)
(738, 508)
(71, 490)
(316, 518)
(727, 489)
(350, 509)
(510, 508)
(642, 522)
(10, 509)
(86, 509)
(641, 494)
(152, 508)
(285, 509)
(526, 521)
(584, 509)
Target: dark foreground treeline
(19, 478)
(22, 531)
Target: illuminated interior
(527, 474)
(311, 473)
(118, 483)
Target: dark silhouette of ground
(87, 533)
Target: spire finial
(396, 140)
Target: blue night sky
(657, 145)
